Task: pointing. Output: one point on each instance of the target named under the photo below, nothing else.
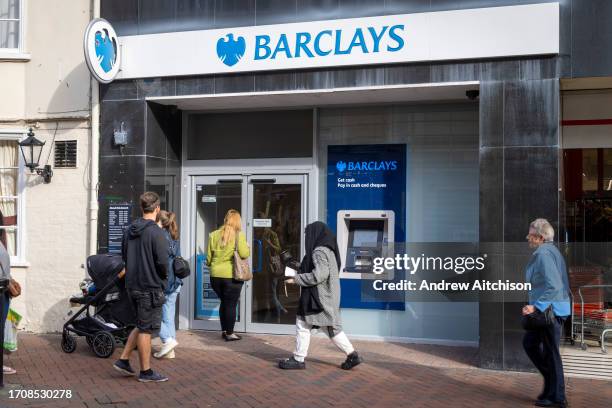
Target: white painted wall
(51, 90)
(12, 91)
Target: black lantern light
(31, 149)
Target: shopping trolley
(595, 318)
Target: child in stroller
(112, 319)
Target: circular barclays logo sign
(102, 52)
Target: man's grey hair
(542, 227)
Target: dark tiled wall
(514, 69)
(150, 161)
(519, 176)
(157, 16)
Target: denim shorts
(148, 308)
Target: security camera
(472, 94)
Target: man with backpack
(145, 253)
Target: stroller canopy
(104, 268)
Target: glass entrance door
(277, 219)
(273, 209)
(214, 196)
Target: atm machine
(362, 236)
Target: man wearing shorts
(145, 253)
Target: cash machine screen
(364, 244)
(365, 238)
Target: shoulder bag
(181, 267)
(242, 270)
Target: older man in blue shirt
(547, 274)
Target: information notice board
(119, 218)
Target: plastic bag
(10, 330)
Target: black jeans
(228, 291)
(542, 347)
(5, 309)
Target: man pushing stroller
(145, 253)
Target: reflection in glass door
(276, 221)
(214, 196)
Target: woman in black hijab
(319, 306)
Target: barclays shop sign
(447, 35)
(102, 52)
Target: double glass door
(273, 209)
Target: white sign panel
(447, 35)
(262, 222)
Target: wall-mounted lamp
(31, 149)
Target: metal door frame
(203, 180)
(241, 168)
(302, 180)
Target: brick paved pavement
(208, 372)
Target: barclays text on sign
(381, 165)
(231, 49)
(306, 44)
(447, 35)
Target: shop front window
(10, 197)
(10, 25)
(588, 223)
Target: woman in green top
(221, 245)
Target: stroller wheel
(103, 344)
(69, 343)
(89, 341)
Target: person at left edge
(5, 273)
(145, 253)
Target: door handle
(228, 181)
(261, 181)
(259, 256)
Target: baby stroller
(112, 319)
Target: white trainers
(8, 370)
(168, 355)
(166, 348)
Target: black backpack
(181, 268)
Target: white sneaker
(167, 355)
(8, 370)
(166, 348)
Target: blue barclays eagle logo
(230, 51)
(106, 50)
(341, 166)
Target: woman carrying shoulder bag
(222, 243)
(167, 332)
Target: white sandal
(8, 370)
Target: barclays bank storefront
(394, 122)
